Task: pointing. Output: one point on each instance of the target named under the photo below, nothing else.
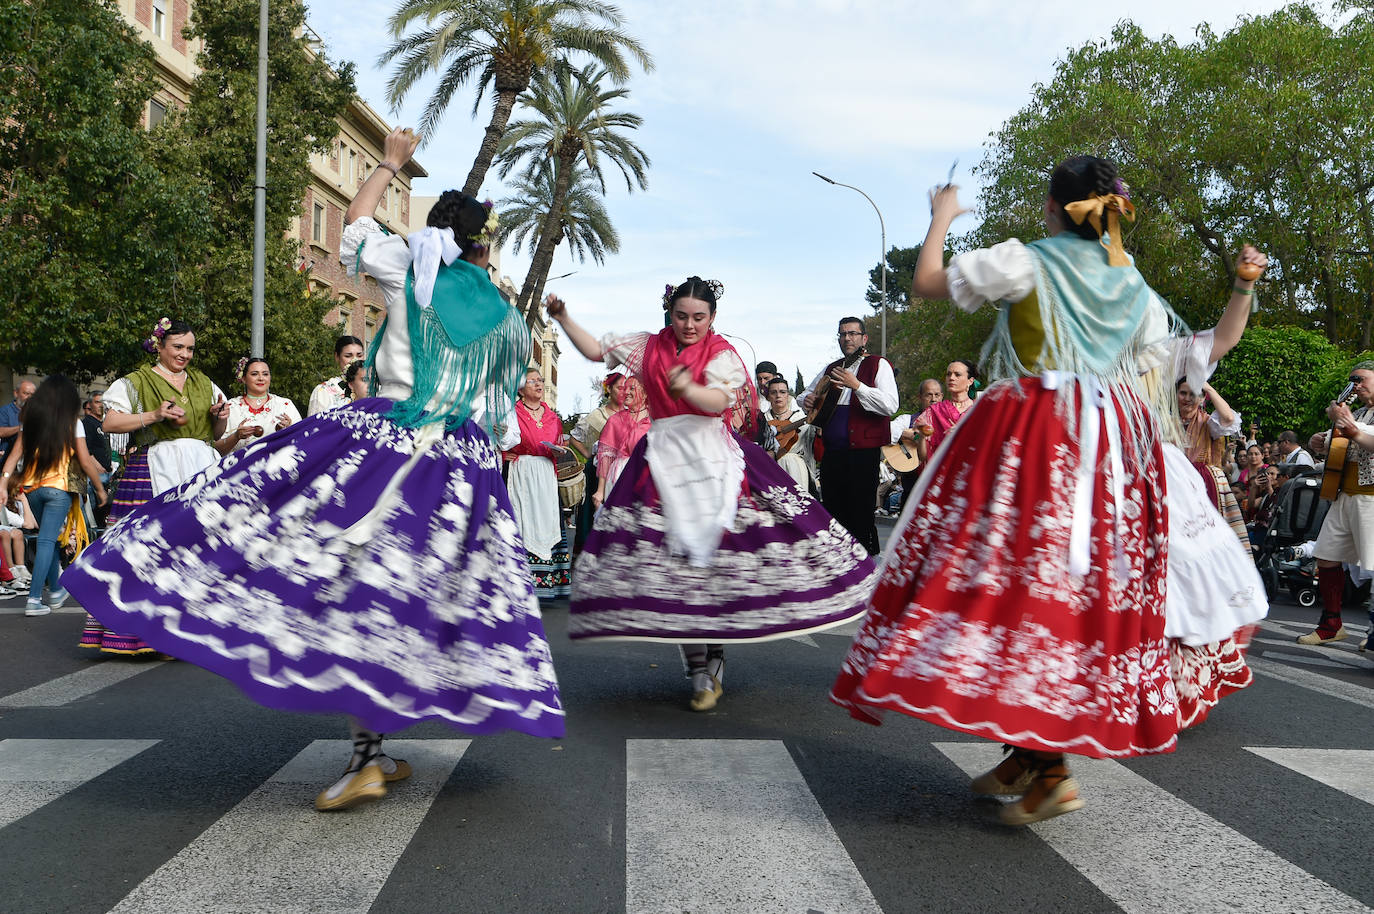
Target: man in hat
(1347, 533)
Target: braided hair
(1080, 178)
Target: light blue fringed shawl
(1095, 318)
(467, 343)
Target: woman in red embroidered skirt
(1023, 596)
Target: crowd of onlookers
(1258, 469)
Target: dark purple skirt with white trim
(426, 612)
(785, 567)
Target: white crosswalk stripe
(34, 772)
(711, 825)
(1347, 770)
(1315, 682)
(273, 852)
(744, 806)
(66, 689)
(1149, 851)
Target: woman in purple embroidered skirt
(363, 561)
(704, 540)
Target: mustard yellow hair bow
(1091, 210)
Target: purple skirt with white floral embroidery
(784, 568)
(273, 570)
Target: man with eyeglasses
(1347, 533)
(857, 395)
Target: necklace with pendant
(260, 409)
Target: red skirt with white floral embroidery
(1206, 674)
(978, 623)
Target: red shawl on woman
(536, 436)
(942, 415)
(661, 355)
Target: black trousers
(849, 485)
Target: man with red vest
(858, 395)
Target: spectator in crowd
(9, 417)
(1264, 486)
(1291, 452)
(330, 393)
(50, 440)
(98, 443)
(1253, 463)
(15, 518)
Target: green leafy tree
(1274, 376)
(503, 45)
(214, 139)
(572, 126)
(98, 227)
(583, 219)
(901, 266)
(1262, 134)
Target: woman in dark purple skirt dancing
(363, 561)
(722, 545)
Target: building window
(160, 18)
(317, 224)
(156, 112)
(346, 303)
(351, 176)
(372, 317)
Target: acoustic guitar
(903, 458)
(827, 395)
(1334, 468)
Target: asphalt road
(155, 786)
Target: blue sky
(747, 99)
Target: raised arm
(1220, 408)
(397, 149)
(929, 280)
(584, 342)
(1237, 315)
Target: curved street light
(882, 254)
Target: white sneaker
(56, 598)
(36, 608)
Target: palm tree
(583, 219)
(502, 44)
(572, 124)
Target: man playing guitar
(1347, 533)
(851, 401)
(795, 435)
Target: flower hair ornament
(487, 236)
(159, 331)
(240, 367)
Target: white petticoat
(1213, 587)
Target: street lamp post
(882, 254)
(256, 341)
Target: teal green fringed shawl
(468, 343)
